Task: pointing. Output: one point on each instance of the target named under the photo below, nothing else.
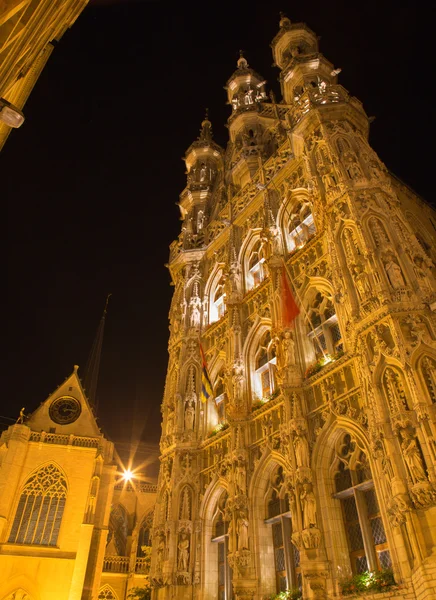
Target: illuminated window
(301, 228)
(323, 326)
(265, 366)
(286, 555)
(40, 508)
(218, 302)
(220, 537)
(256, 267)
(362, 522)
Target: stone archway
(19, 594)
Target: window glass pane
(361, 564)
(350, 509)
(283, 583)
(296, 553)
(266, 385)
(378, 531)
(280, 559)
(371, 502)
(355, 536)
(277, 534)
(384, 559)
(342, 478)
(273, 507)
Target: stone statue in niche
(248, 99)
(238, 382)
(240, 478)
(195, 314)
(160, 556)
(203, 172)
(242, 531)
(189, 415)
(395, 276)
(287, 348)
(413, 459)
(362, 283)
(185, 511)
(234, 278)
(329, 179)
(308, 506)
(200, 220)
(352, 168)
(183, 547)
(170, 423)
(301, 447)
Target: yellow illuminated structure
(28, 30)
(71, 526)
(313, 461)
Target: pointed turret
(296, 53)
(204, 162)
(245, 88)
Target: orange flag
(290, 309)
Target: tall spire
(93, 365)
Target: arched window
(220, 537)
(323, 326)
(220, 399)
(144, 537)
(428, 371)
(40, 508)
(118, 531)
(286, 554)
(265, 367)
(218, 302)
(301, 226)
(107, 593)
(256, 268)
(362, 522)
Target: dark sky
(93, 175)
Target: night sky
(93, 175)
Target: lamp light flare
(127, 475)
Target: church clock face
(65, 410)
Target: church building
(298, 446)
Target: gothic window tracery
(144, 537)
(107, 593)
(265, 366)
(428, 373)
(278, 515)
(118, 531)
(393, 385)
(301, 226)
(323, 326)
(39, 513)
(361, 519)
(256, 268)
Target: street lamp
(10, 114)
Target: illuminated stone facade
(315, 459)
(28, 31)
(68, 530)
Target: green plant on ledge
(294, 594)
(321, 363)
(370, 582)
(218, 428)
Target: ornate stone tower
(314, 459)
